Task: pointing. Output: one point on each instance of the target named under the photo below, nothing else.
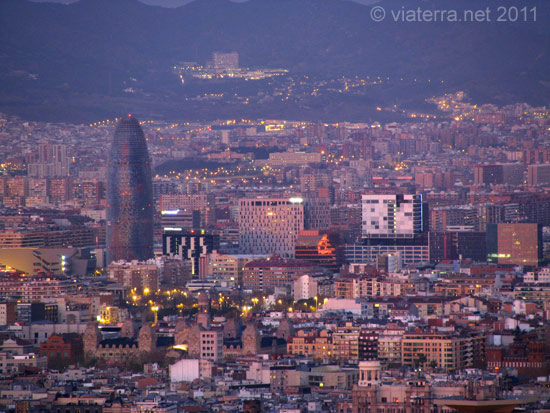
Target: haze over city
(274, 206)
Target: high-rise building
(225, 61)
(451, 245)
(517, 244)
(456, 215)
(18, 186)
(538, 175)
(180, 219)
(60, 190)
(92, 192)
(194, 209)
(317, 248)
(129, 195)
(189, 245)
(392, 216)
(392, 223)
(511, 174)
(170, 202)
(316, 212)
(50, 160)
(270, 226)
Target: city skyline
(274, 206)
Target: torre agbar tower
(129, 195)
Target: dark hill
(89, 49)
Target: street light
(155, 310)
(316, 302)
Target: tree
(58, 363)
(420, 360)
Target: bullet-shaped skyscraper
(129, 195)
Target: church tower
(128, 329)
(147, 339)
(252, 340)
(203, 317)
(90, 340)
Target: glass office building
(129, 195)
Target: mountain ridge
(94, 46)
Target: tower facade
(516, 244)
(90, 340)
(392, 216)
(129, 195)
(270, 225)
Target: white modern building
(345, 305)
(305, 287)
(187, 370)
(211, 345)
(541, 276)
(391, 216)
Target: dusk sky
(177, 3)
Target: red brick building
(528, 355)
(64, 347)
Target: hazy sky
(177, 3)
